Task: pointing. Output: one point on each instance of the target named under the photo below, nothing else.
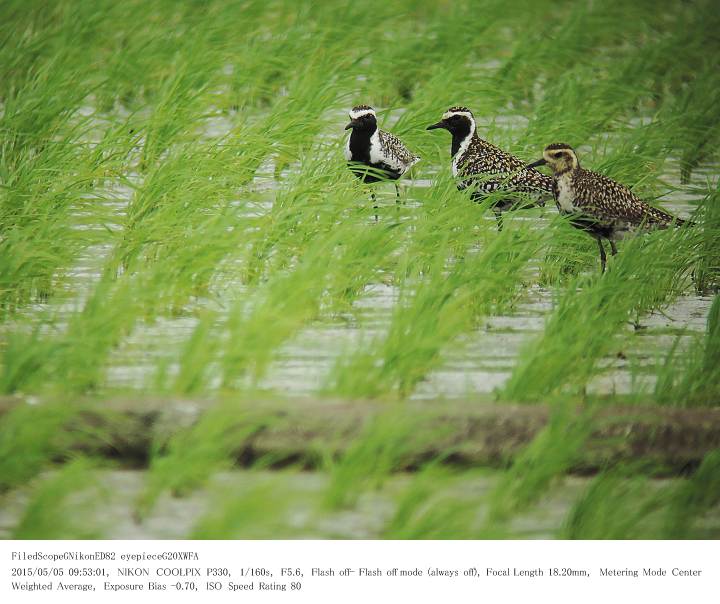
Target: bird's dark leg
(613, 247)
(374, 202)
(603, 258)
(397, 193)
(499, 218)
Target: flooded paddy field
(479, 361)
(178, 223)
(296, 500)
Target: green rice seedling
(692, 378)
(30, 439)
(649, 272)
(562, 36)
(569, 253)
(47, 164)
(257, 512)
(62, 505)
(190, 189)
(190, 457)
(371, 458)
(691, 499)
(650, 510)
(182, 95)
(310, 204)
(432, 311)
(311, 260)
(197, 353)
(74, 359)
(551, 453)
(287, 304)
(707, 274)
(429, 508)
(23, 357)
(43, 182)
(182, 267)
(358, 263)
(595, 515)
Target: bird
(487, 167)
(602, 207)
(373, 154)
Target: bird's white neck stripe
(463, 145)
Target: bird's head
(459, 121)
(559, 156)
(362, 117)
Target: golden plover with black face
(488, 167)
(374, 155)
(604, 208)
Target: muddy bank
(462, 433)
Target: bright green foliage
(254, 513)
(176, 218)
(62, 506)
(650, 510)
(553, 451)
(192, 455)
(30, 436)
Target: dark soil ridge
(658, 440)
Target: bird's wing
(396, 151)
(608, 200)
(530, 180)
(499, 169)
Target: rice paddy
(178, 227)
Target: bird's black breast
(360, 146)
(379, 171)
(457, 139)
(360, 152)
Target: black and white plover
(598, 205)
(488, 167)
(374, 155)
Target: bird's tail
(665, 220)
(683, 222)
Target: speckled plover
(374, 155)
(604, 208)
(487, 167)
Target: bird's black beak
(440, 124)
(352, 124)
(535, 164)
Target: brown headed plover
(487, 167)
(373, 154)
(604, 208)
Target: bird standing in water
(597, 204)
(488, 168)
(375, 155)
